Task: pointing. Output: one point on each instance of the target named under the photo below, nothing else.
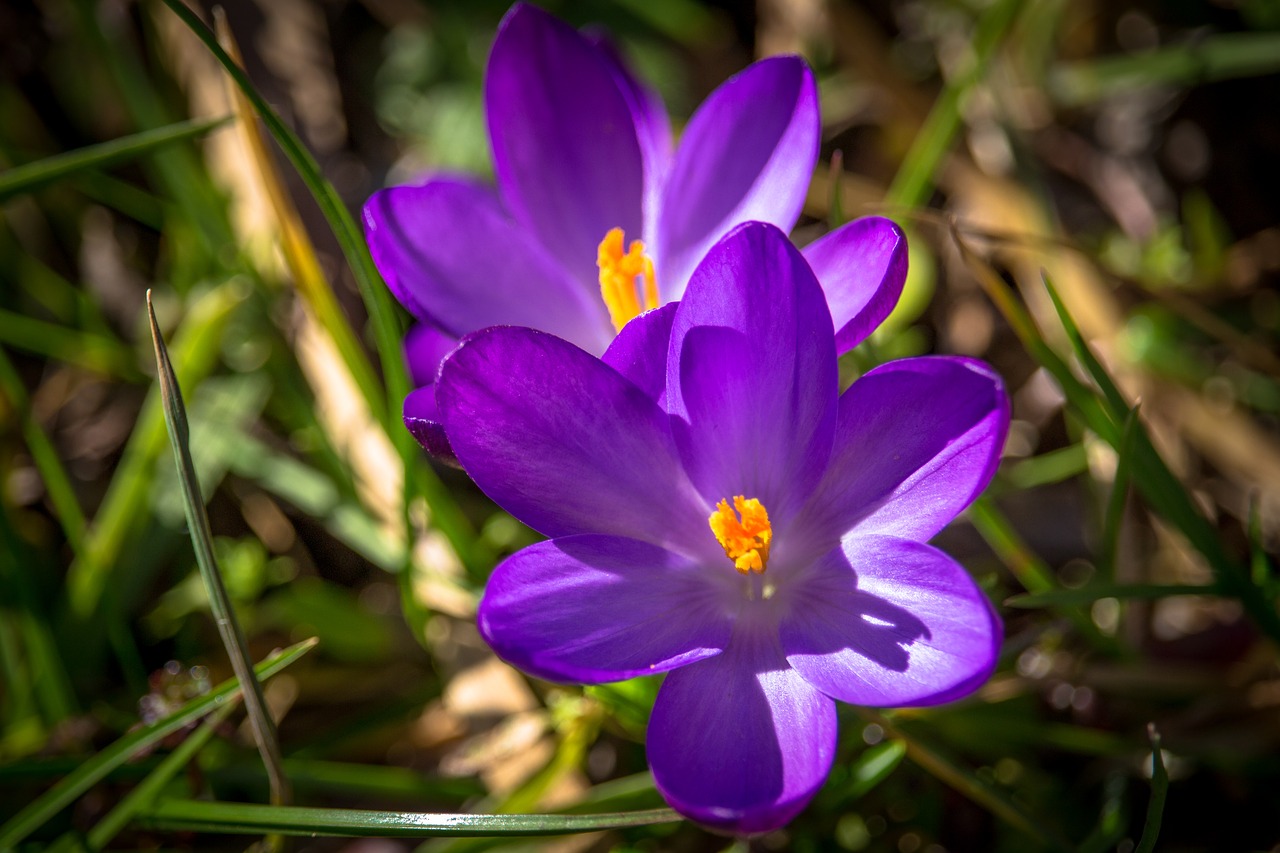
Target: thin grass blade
(147, 790)
(299, 253)
(175, 415)
(1082, 351)
(54, 475)
(32, 176)
(1199, 61)
(96, 768)
(242, 818)
(376, 298)
(1113, 516)
(914, 180)
(1086, 595)
(1159, 791)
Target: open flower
(595, 218)
(719, 511)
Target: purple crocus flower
(595, 216)
(720, 512)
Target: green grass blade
(1218, 57)
(1093, 592)
(224, 616)
(1113, 516)
(146, 791)
(20, 608)
(873, 767)
(377, 298)
(31, 176)
(96, 768)
(89, 350)
(56, 482)
(1159, 791)
(914, 181)
(1162, 491)
(245, 818)
(1083, 353)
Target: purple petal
(747, 154)
(565, 150)
(600, 608)
(653, 128)
(751, 375)
(889, 622)
(453, 257)
(423, 422)
(425, 347)
(917, 441)
(564, 443)
(740, 742)
(862, 266)
(639, 352)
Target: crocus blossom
(719, 511)
(595, 216)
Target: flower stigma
(618, 273)
(745, 536)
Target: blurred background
(1124, 150)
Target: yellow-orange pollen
(618, 273)
(745, 536)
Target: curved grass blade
(96, 768)
(253, 819)
(31, 176)
(420, 479)
(376, 297)
(118, 818)
(1162, 491)
(175, 416)
(299, 253)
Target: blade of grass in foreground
(377, 298)
(252, 819)
(175, 416)
(96, 768)
(118, 818)
(32, 176)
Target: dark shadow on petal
(829, 614)
(879, 630)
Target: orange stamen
(745, 536)
(618, 273)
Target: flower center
(745, 536)
(618, 273)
